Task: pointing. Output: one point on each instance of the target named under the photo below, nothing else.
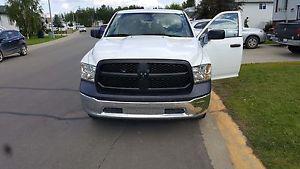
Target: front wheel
(200, 117)
(294, 49)
(1, 57)
(252, 42)
(93, 117)
(23, 50)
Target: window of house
(262, 6)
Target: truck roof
(151, 11)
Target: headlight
(88, 71)
(202, 73)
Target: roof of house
(255, 1)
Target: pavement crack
(45, 116)
(39, 89)
(111, 147)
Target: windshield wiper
(118, 35)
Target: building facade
(286, 10)
(5, 22)
(259, 12)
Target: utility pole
(51, 21)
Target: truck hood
(146, 47)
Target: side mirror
(216, 34)
(96, 33)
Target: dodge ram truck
(149, 64)
(288, 34)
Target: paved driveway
(269, 53)
(42, 124)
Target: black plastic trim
(137, 91)
(201, 89)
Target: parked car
(12, 42)
(150, 64)
(252, 36)
(288, 34)
(287, 25)
(98, 31)
(81, 28)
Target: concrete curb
(240, 154)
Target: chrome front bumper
(146, 110)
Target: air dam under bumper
(146, 110)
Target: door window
(4, 35)
(16, 34)
(227, 22)
(10, 34)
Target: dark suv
(12, 42)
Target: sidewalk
(269, 53)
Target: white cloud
(65, 6)
(116, 3)
(61, 6)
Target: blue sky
(60, 6)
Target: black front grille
(144, 76)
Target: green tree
(174, 6)
(27, 14)
(69, 17)
(85, 16)
(104, 13)
(210, 8)
(188, 3)
(88, 16)
(57, 21)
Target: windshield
(166, 24)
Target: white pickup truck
(150, 64)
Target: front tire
(294, 49)
(23, 50)
(252, 42)
(200, 117)
(93, 117)
(1, 57)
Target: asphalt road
(269, 53)
(42, 125)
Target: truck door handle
(235, 45)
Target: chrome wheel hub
(252, 42)
(24, 50)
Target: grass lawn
(265, 103)
(36, 40)
(269, 42)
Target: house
(286, 10)
(5, 22)
(259, 12)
